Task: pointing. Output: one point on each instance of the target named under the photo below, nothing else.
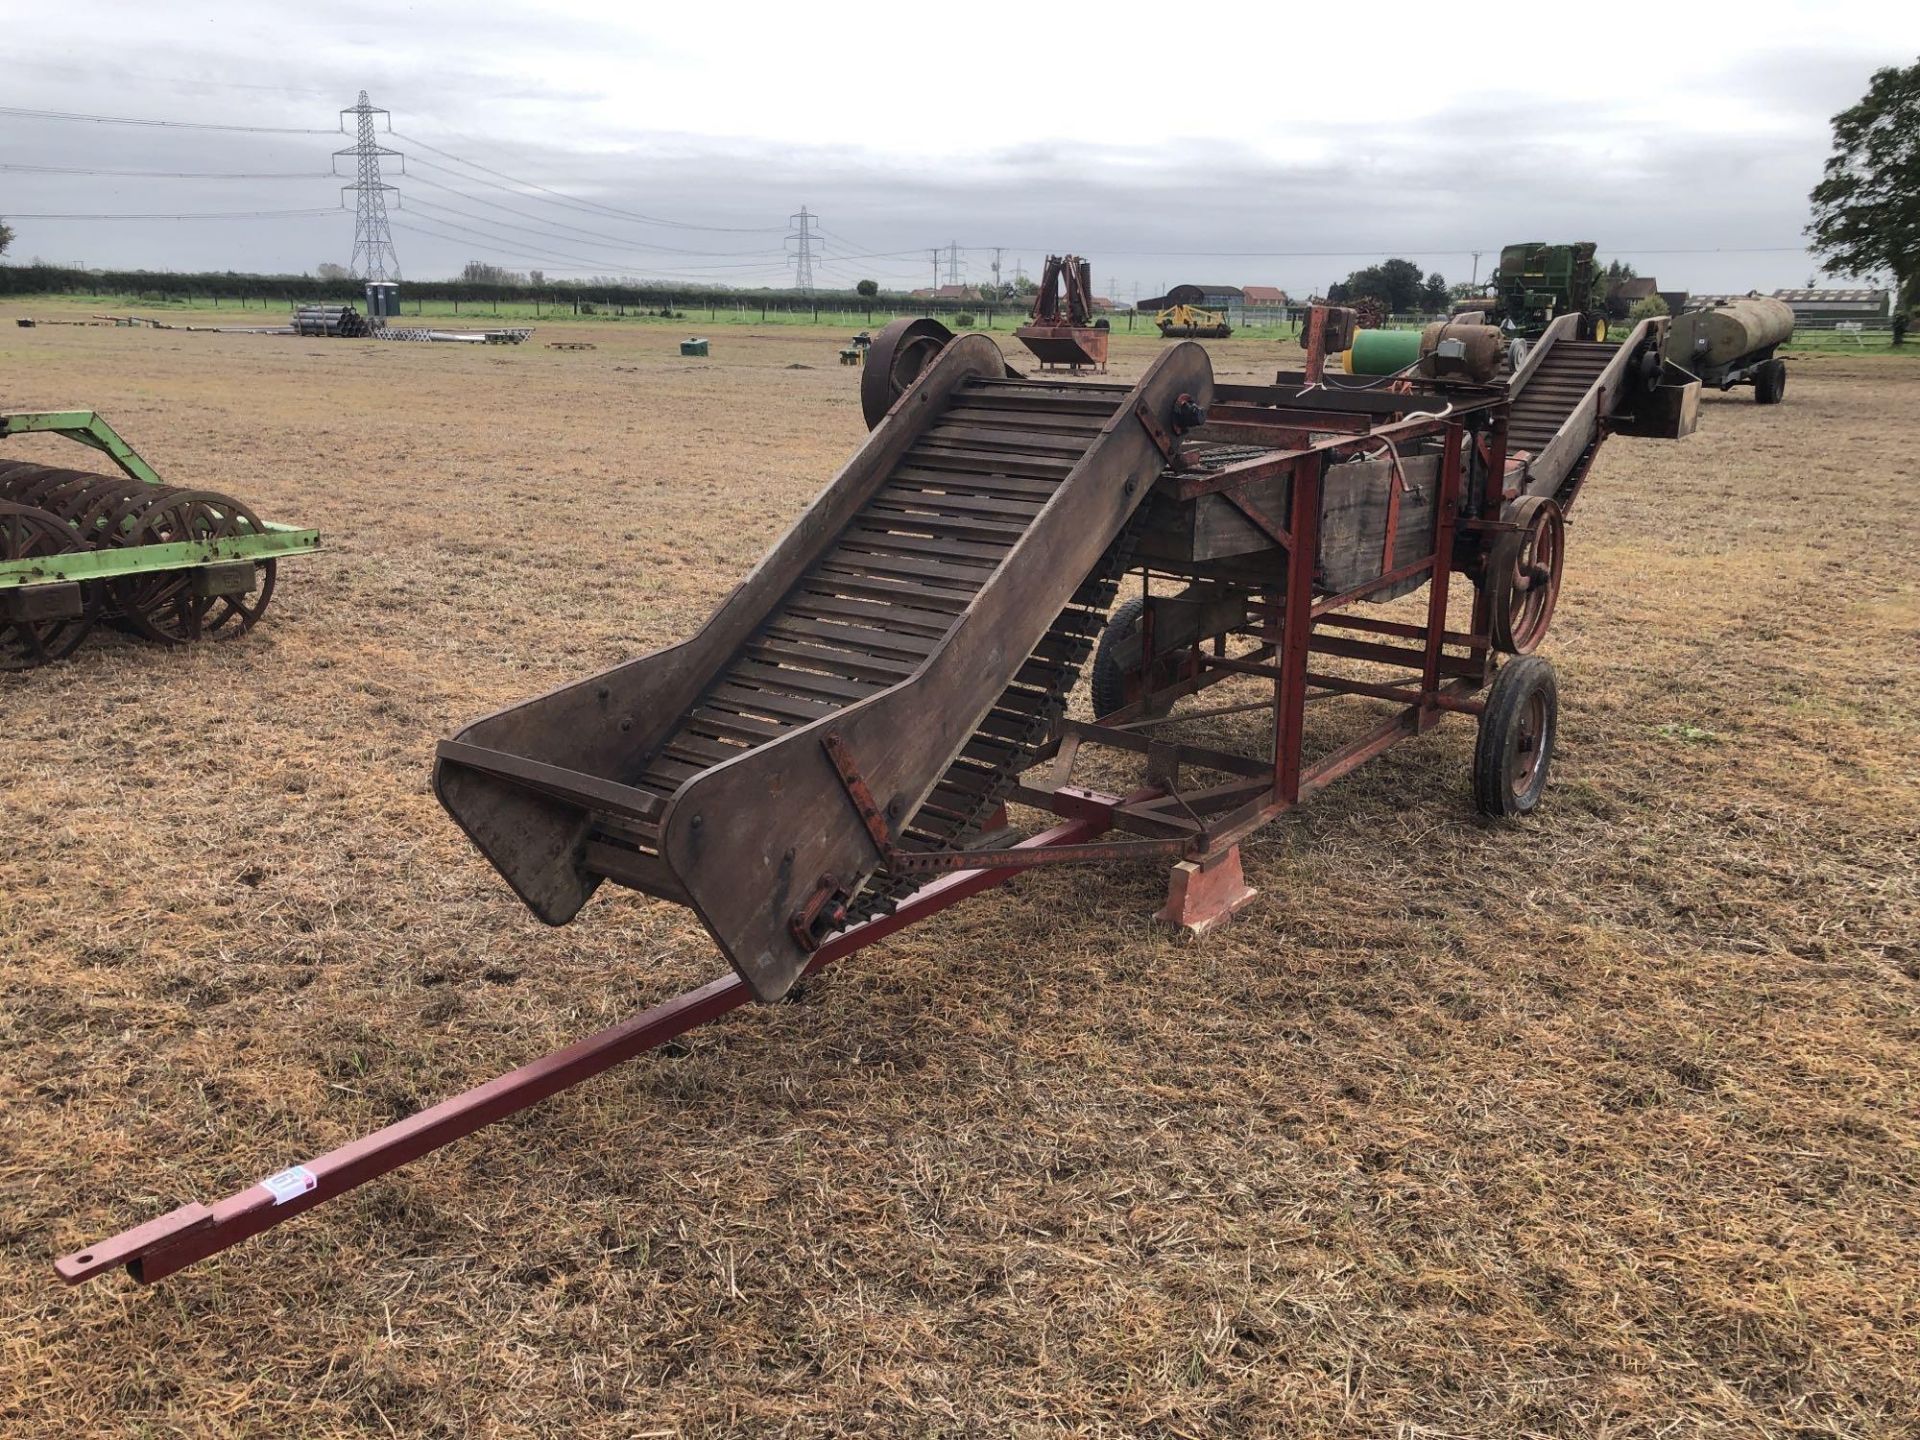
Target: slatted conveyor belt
(1554, 391)
(879, 600)
(913, 637)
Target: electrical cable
(161, 124)
(197, 215)
(558, 224)
(548, 259)
(767, 259)
(574, 202)
(171, 174)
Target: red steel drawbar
(194, 1231)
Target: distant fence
(1847, 325)
(582, 297)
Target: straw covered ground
(1602, 1124)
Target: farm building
(1833, 304)
(1264, 302)
(1817, 307)
(948, 292)
(1230, 298)
(1623, 295)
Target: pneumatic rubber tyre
(1517, 730)
(1770, 385)
(1109, 681)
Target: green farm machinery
(77, 547)
(1537, 282)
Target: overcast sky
(1245, 144)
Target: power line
(147, 77)
(578, 204)
(522, 249)
(566, 263)
(196, 215)
(160, 124)
(495, 185)
(1431, 250)
(559, 224)
(171, 174)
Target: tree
(1396, 284)
(327, 270)
(1866, 208)
(538, 277)
(1434, 294)
(6, 236)
(1647, 309)
(1619, 270)
(867, 289)
(479, 272)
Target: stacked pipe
(341, 320)
(47, 511)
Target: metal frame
(1287, 622)
(1290, 631)
(195, 1231)
(87, 427)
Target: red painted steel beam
(177, 1239)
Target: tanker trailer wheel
(1517, 731)
(1523, 574)
(894, 361)
(1770, 383)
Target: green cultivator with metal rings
(169, 564)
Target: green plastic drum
(1383, 352)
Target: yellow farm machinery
(1191, 322)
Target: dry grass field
(1602, 1124)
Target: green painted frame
(86, 427)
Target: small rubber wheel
(1517, 730)
(1770, 383)
(1109, 681)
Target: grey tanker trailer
(1733, 344)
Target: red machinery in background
(832, 756)
(1063, 330)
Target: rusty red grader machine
(1062, 332)
(831, 757)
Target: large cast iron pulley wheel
(1523, 574)
(1517, 730)
(27, 533)
(894, 361)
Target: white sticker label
(290, 1184)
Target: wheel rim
(1525, 568)
(894, 361)
(164, 607)
(1528, 757)
(25, 534)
